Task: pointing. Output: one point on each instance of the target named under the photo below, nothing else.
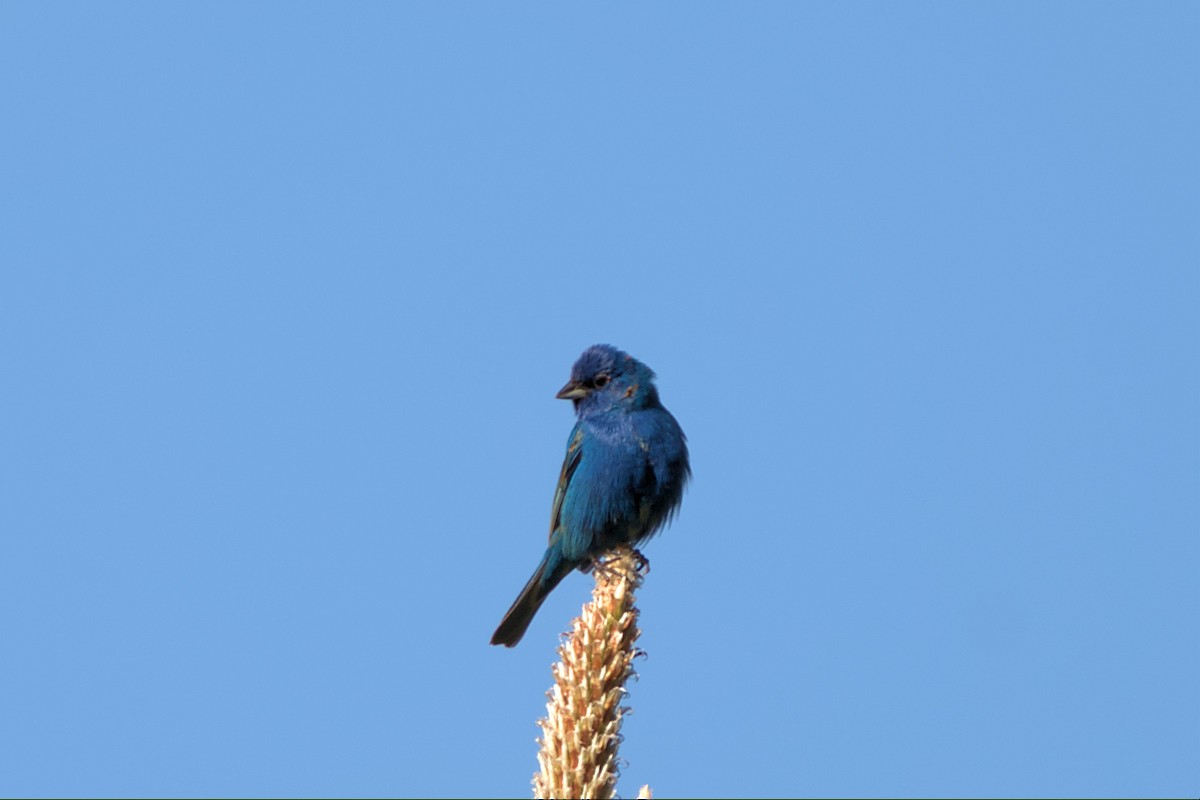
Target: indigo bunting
(622, 478)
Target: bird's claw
(602, 568)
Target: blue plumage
(622, 478)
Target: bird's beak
(572, 391)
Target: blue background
(287, 290)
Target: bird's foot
(603, 569)
(606, 566)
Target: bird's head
(605, 377)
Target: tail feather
(517, 620)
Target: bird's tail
(548, 575)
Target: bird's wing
(570, 463)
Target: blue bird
(622, 478)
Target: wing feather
(570, 464)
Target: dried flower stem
(581, 730)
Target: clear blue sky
(287, 290)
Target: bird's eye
(600, 381)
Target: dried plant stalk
(581, 730)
